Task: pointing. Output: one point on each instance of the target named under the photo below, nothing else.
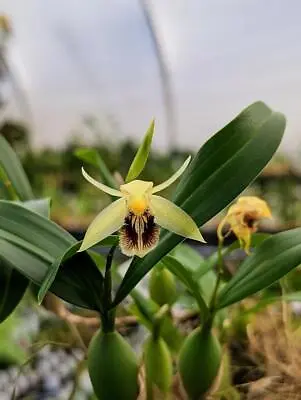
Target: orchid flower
(138, 215)
(243, 217)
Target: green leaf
(40, 206)
(207, 265)
(98, 259)
(222, 169)
(71, 252)
(141, 155)
(13, 284)
(32, 232)
(92, 157)
(12, 288)
(32, 243)
(77, 282)
(188, 256)
(186, 277)
(52, 271)
(273, 259)
(207, 284)
(14, 171)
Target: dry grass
(177, 392)
(278, 347)
(275, 350)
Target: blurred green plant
(11, 352)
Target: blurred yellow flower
(242, 219)
(137, 214)
(5, 25)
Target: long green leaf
(12, 283)
(53, 270)
(188, 256)
(77, 282)
(141, 155)
(33, 232)
(221, 170)
(40, 206)
(273, 259)
(71, 252)
(32, 243)
(14, 171)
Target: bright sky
(75, 58)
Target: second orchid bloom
(242, 219)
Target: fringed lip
(139, 234)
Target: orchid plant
(33, 249)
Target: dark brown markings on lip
(139, 232)
(129, 229)
(249, 220)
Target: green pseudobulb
(158, 364)
(162, 286)
(113, 367)
(199, 362)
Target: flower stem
(158, 319)
(108, 321)
(219, 276)
(149, 388)
(108, 316)
(286, 316)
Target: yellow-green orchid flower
(137, 216)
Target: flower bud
(158, 364)
(162, 286)
(199, 362)
(112, 367)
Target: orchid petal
(173, 178)
(174, 219)
(107, 221)
(101, 186)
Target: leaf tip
(40, 296)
